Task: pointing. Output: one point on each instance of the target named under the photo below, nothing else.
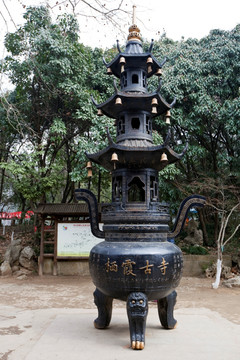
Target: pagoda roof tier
(132, 102)
(134, 57)
(135, 157)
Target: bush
(195, 250)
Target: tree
(49, 69)
(202, 74)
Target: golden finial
(134, 31)
(134, 15)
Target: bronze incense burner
(136, 262)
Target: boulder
(7, 255)
(235, 281)
(22, 271)
(5, 269)
(13, 252)
(226, 272)
(26, 258)
(15, 268)
(195, 235)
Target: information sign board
(75, 239)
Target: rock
(5, 269)
(226, 272)
(15, 268)
(26, 258)
(195, 235)
(13, 252)
(7, 255)
(22, 271)
(235, 281)
(22, 277)
(16, 242)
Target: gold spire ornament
(134, 31)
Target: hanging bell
(118, 101)
(89, 173)
(109, 71)
(99, 112)
(158, 72)
(89, 169)
(114, 159)
(149, 62)
(154, 110)
(168, 117)
(122, 61)
(164, 157)
(154, 101)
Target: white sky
(179, 18)
(187, 18)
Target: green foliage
(194, 250)
(30, 181)
(52, 74)
(50, 117)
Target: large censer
(136, 262)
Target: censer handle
(90, 198)
(189, 202)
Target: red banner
(15, 215)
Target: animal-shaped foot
(165, 311)
(137, 310)
(104, 305)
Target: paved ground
(52, 318)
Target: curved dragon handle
(190, 201)
(89, 197)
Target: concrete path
(69, 334)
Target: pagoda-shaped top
(134, 107)
(131, 54)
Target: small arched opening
(136, 192)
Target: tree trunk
(2, 183)
(215, 285)
(203, 226)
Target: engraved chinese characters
(126, 267)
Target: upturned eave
(135, 157)
(133, 102)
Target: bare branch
(9, 14)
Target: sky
(177, 18)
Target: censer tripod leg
(104, 305)
(137, 310)
(165, 310)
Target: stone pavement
(69, 334)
